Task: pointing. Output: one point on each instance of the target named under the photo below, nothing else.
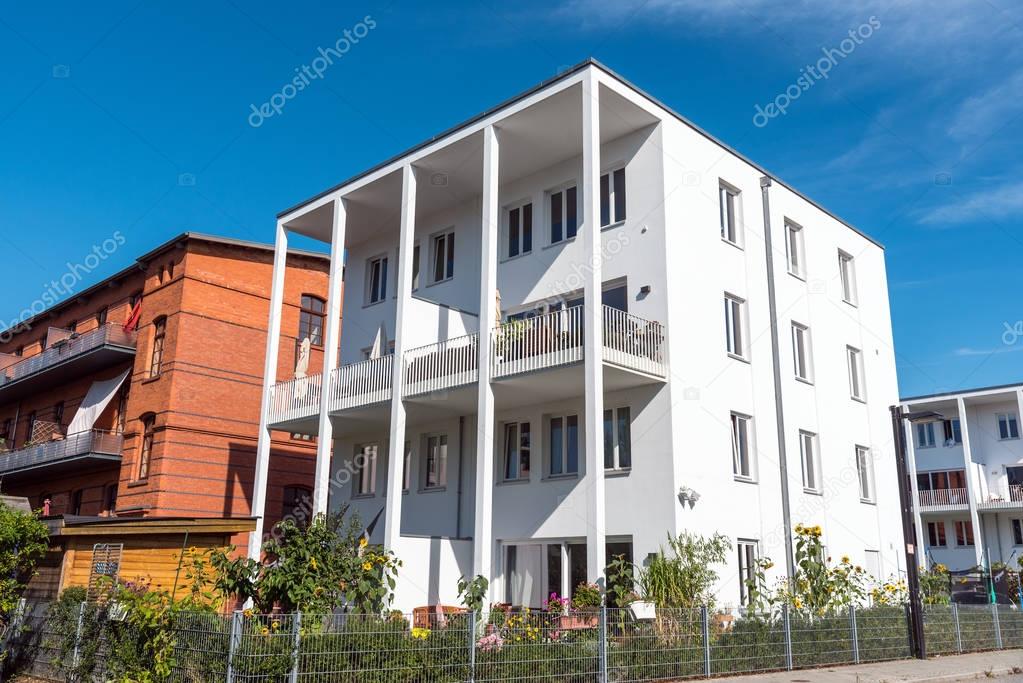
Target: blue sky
(133, 119)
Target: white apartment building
(966, 476)
(567, 334)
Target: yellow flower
(367, 566)
(363, 542)
(420, 633)
(312, 562)
(247, 613)
(797, 603)
(845, 559)
(275, 624)
(264, 631)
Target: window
(794, 252)
(72, 326)
(855, 359)
(156, 358)
(376, 280)
(801, 354)
(618, 439)
(1017, 532)
(443, 257)
(297, 505)
(936, 534)
(122, 410)
(925, 435)
(101, 317)
(415, 267)
(110, 498)
(366, 470)
(742, 461)
(964, 533)
(20, 351)
(563, 209)
(30, 433)
(436, 461)
(747, 567)
(847, 272)
(865, 471)
(517, 447)
(1008, 426)
(406, 467)
(146, 452)
(811, 461)
(735, 326)
(5, 432)
(310, 319)
(520, 230)
(953, 432)
(76, 503)
(564, 444)
(58, 413)
(872, 563)
(612, 197)
(728, 198)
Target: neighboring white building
(966, 476)
(591, 426)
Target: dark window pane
(438, 259)
(527, 228)
(609, 438)
(451, 255)
(624, 438)
(570, 213)
(605, 200)
(619, 186)
(513, 232)
(572, 443)
(557, 446)
(615, 298)
(553, 569)
(556, 218)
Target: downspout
(458, 495)
(772, 304)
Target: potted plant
(585, 603)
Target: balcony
(1014, 501)
(73, 453)
(70, 356)
(944, 500)
(632, 345)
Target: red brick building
(186, 327)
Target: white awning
(95, 401)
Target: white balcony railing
(111, 334)
(443, 365)
(56, 450)
(295, 399)
(632, 342)
(943, 497)
(362, 383)
(1016, 493)
(545, 341)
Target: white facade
(663, 357)
(966, 476)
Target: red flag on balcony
(133, 318)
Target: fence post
(907, 610)
(788, 636)
(233, 643)
(705, 619)
(472, 645)
(78, 639)
(998, 625)
(602, 646)
(854, 632)
(959, 634)
(296, 631)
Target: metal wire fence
(496, 646)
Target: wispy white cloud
(1000, 202)
(967, 351)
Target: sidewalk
(978, 665)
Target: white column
(972, 487)
(594, 333)
(273, 345)
(325, 439)
(396, 443)
(914, 492)
(483, 542)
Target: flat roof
(949, 394)
(545, 84)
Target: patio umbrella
(301, 368)
(378, 350)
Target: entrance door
(524, 569)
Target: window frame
(963, 530)
(364, 483)
(441, 460)
(617, 439)
(512, 448)
(506, 234)
(444, 239)
(952, 430)
(156, 352)
(564, 190)
(609, 191)
(307, 493)
(810, 462)
(747, 555)
(1011, 420)
(732, 232)
(847, 277)
(375, 295)
(564, 450)
(310, 314)
(796, 267)
(735, 327)
(406, 468)
(865, 474)
(937, 534)
(735, 421)
(857, 374)
(1016, 527)
(802, 332)
(925, 428)
(148, 421)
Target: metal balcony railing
(295, 398)
(1016, 493)
(362, 383)
(546, 341)
(943, 497)
(82, 443)
(111, 334)
(443, 365)
(632, 342)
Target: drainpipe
(458, 495)
(772, 304)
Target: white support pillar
(325, 439)
(914, 491)
(483, 531)
(273, 345)
(396, 442)
(972, 486)
(593, 342)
